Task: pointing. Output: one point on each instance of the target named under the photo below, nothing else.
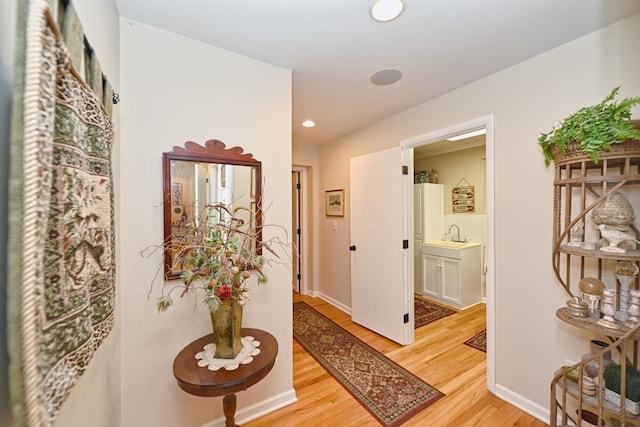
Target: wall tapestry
(65, 264)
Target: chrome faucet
(458, 229)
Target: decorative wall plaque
(463, 197)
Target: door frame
(296, 218)
(438, 135)
(305, 250)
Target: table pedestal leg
(229, 408)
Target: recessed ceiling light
(386, 77)
(308, 123)
(386, 10)
(468, 134)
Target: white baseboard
(336, 304)
(313, 294)
(257, 410)
(523, 403)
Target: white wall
(174, 90)
(526, 99)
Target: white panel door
(381, 292)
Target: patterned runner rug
(427, 312)
(478, 341)
(388, 391)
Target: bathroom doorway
(455, 165)
(436, 144)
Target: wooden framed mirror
(197, 176)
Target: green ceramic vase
(227, 326)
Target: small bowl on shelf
(590, 419)
(577, 308)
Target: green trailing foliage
(594, 128)
(612, 381)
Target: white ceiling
(333, 46)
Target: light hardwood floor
(438, 356)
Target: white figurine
(615, 237)
(577, 231)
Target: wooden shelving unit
(579, 186)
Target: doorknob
(352, 247)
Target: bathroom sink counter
(447, 248)
(452, 272)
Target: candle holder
(634, 309)
(608, 309)
(625, 286)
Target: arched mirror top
(196, 176)
(213, 151)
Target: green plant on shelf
(593, 128)
(612, 381)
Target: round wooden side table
(200, 381)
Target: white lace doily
(249, 349)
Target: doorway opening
(433, 142)
(459, 169)
(295, 226)
(301, 226)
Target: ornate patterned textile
(478, 341)
(67, 258)
(426, 311)
(388, 391)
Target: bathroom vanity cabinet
(451, 273)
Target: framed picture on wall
(334, 203)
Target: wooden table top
(200, 381)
